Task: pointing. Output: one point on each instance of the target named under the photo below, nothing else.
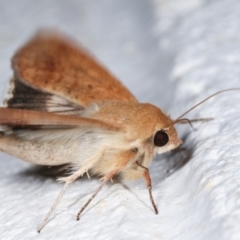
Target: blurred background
(171, 53)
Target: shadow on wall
(173, 161)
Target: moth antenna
(181, 120)
(190, 121)
(184, 120)
(204, 100)
(201, 120)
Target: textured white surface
(172, 53)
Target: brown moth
(65, 108)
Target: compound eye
(160, 138)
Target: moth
(64, 108)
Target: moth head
(166, 140)
(165, 137)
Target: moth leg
(68, 181)
(149, 186)
(105, 179)
(88, 175)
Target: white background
(172, 53)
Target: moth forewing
(54, 63)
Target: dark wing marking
(25, 97)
